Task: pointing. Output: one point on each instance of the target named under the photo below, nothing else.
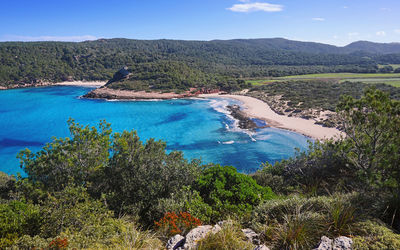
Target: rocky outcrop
(178, 242)
(195, 235)
(244, 121)
(340, 243)
(252, 236)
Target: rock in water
(176, 242)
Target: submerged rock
(244, 121)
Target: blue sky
(336, 22)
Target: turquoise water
(201, 128)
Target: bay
(201, 128)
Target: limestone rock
(342, 243)
(324, 244)
(175, 242)
(216, 229)
(261, 247)
(252, 236)
(195, 235)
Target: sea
(200, 128)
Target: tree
(77, 160)
(139, 174)
(372, 144)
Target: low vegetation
(99, 189)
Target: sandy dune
(258, 109)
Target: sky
(337, 22)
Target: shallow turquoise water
(200, 128)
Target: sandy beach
(82, 83)
(258, 109)
(108, 93)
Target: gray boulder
(195, 235)
(324, 244)
(252, 236)
(342, 243)
(261, 247)
(176, 242)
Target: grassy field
(392, 79)
(395, 66)
(395, 82)
(343, 76)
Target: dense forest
(205, 62)
(99, 189)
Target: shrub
(29, 242)
(131, 185)
(137, 239)
(299, 230)
(58, 243)
(185, 199)
(230, 237)
(173, 223)
(375, 235)
(341, 216)
(16, 219)
(229, 192)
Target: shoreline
(82, 83)
(258, 109)
(48, 84)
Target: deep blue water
(29, 118)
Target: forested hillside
(34, 62)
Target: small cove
(201, 128)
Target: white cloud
(385, 9)
(351, 34)
(381, 33)
(397, 31)
(319, 19)
(345, 7)
(48, 38)
(252, 7)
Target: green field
(395, 82)
(262, 82)
(392, 79)
(395, 66)
(343, 76)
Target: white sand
(82, 83)
(258, 109)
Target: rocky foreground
(190, 241)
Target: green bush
(375, 235)
(185, 200)
(16, 219)
(229, 192)
(139, 174)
